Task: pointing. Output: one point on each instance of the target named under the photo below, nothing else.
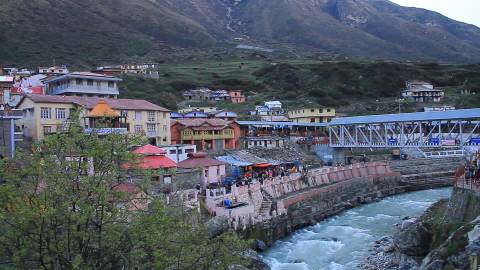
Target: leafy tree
(59, 209)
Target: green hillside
(298, 82)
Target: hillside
(91, 32)
(355, 86)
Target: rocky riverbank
(447, 236)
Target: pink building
(212, 170)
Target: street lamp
(400, 100)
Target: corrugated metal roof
(408, 117)
(291, 124)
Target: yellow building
(312, 115)
(44, 114)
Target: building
(9, 134)
(213, 171)
(179, 152)
(312, 115)
(226, 115)
(6, 85)
(268, 142)
(236, 96)
(195, 114)
(438, 108)
(220, 95)
(109, 70)
(207, 134)
(201, 94)
(27, 85)
(45, 114)
(420, 91)
(84, 84)
(140, 69)
(161, 167)
(204, 109)
(54, 70)
(273, 104)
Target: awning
(264, 165)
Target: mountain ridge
(101, 31)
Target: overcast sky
(460, 10)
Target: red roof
(199, 160)
(157, 162)
(153, 158)
(149, 150)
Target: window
(172, 152)
(205, 173)
(90, 82)
(124, 113)
(45, 113)
(138, 129)
(60, 113)
(151, 116)
(151, 128)
(165, 128)
(138, 115)
(111, 84)
(167, 179)
(312, 120)
(99, 85)
(218, 170)
(180, 151)
(47, 130)
(312, 110)
(328, 110)
(188, 151)
(78, 81)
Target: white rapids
(344, 241)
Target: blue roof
(196, 114)
(233, 161)
(408, 117)
(290, 124)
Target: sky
(460, 10)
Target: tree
(59, 209)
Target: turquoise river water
(343, 241)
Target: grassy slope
(299, 82)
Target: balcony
(106, 131)
(203, 136)
(152, 134)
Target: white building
(273, 104)
(179, 152)
(56, 70)
(420, 91)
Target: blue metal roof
(408, 117)
(233, 161)
(290, 124)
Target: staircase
(266, 208)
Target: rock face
(413, 238)
(444, 237)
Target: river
(344, 241)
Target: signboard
(434, 141)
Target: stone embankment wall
(427, 173)
(326, 194)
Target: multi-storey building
(45, 114)
(312, 115)
(84, 84)
(207, 134)
(420, 91)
